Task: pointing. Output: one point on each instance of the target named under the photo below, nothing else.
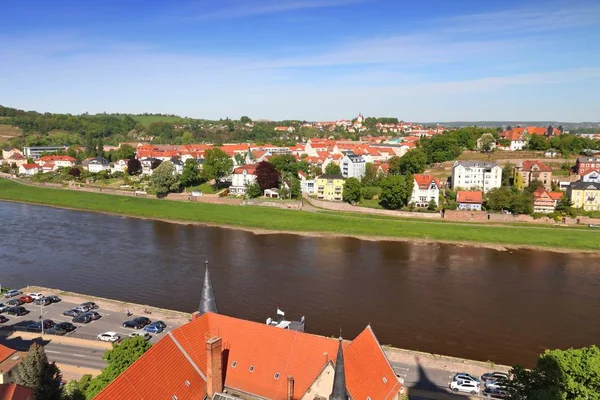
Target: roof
(250, 169)
(469, 197)
(528, 166)
(556, 195)
(12, 391)
(424, 181)
(536, 130)
(584, 159)
(30, 166)
(17, 156)
(57, 158)
(478, 164)
(5, 352)
(181, 355)
(330, 176)
(581, 185)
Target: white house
(242, 176)
(97, 164)
(178, 164)
(29, 169)
(476, 175)
(425, 189)
(59, 161)
(119, 166)
(353, 166)
(147, 165)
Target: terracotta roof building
(469, 200)
(12, 391)
(534, 170)
(9, 359)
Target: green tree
(333, 169)
(370, 178)
(395, 191)
(37, 373)
(76, 389)
(499, 199)
(285, 163)
(164, 179)
(125, 152)
(534, 185)
(191, 173)
(565, 205)
(432, 206)
(537, 142)
(187, 138)
(507, 174)
(119, 358)
(217, 165)
(253, 190)
(244, 119)
(351, 193)
(413, 162)
(295, 188)
(134, 166)
(522, 203)
(486, 143)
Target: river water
(462, 301)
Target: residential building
(583, 165)
(592, 176)
(177, 164)
(9, 359)
(29, 169)
(96, 164)
(534, 171)
(516, 137)
(15, 159)
(147, 164)
(476, 175)
(353, 166)
(306, 185)
(37, 151)
(7, 153)
(58, 161)
(470, 201)
(48, 167)
(215, 353)
(242, 176)
(585, 195)
(119, 166)
(544, 201)
(425, 189)
(12, 391)
(330, 187)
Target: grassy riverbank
(319, 223)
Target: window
(276, 376)
(251, 369)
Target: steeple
(339, 378)
(207, 300)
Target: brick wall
(286, 205)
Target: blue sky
(434, 60)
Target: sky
(429, 60)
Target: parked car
(26, 299)
(464, 377)
(155, 327)
(18, 311)
(137, 323)
(93, 314)
(37, 326)
(145, 335)
(83, 318)
(3, 307)
(109, 337)
(493, 376)
(465, 387)
(56, 330)
(72, 313)
(15, 302)
(497, 384)
(82, 308)
(496, 393)
(42, 301)
(593, 226)
(67, 326)
(12, 293)
(3, 319)
(90, 305)
(54, 299)
(35, 296)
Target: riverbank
(262, 220)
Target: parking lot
(112, 319)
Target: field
(326, 223)
(9, 131)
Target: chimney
(290, 388)
(196, 315)
(214, 367)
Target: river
(462, 301)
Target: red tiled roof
(5, 352)
(12, 391)
(17, 156)
(57, 158)
(556, 195)
(30, 166)
(424, 181)
(528, 165)
(469, 197)
(535, 130)
(250, 169)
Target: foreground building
(470, 201)
(534, 171)
(476, 175)
(425, 189)
(9, 360)
(585, 195)
(219, 357)
(353, 166)
(545, 201)
(242, 176)
(330, 187)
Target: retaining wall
(335, 206)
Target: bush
(370, 192)
(117, 174)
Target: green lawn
(370, 204)
(301, 221)
(204, 188)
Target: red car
(26, 299)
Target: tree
(187, 137)
(537, 142)
(486, 143)
(74, 172)
(534, 185)
(351, 193)
(244, 119)
(370, 178)
(164, 179)
(155, 163)
(432, 206)
(507, 174)
(572, 374)
(125, 152)
(394, 163)
(267, 176)
(119, 358)
(191, 173)
(134, 166)
(564, 205)
(76, 389)
(253, 190)
(295, 188)
(522, 203)
(333, 169)
(395, 191)
(217, 165)
(413, 162)
(285, 163)
(498, 199)
(37, 373)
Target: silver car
(12, 293)
(3, 307)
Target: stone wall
(339, 206)
(286, 205)
(484, 216)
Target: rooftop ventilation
(188, 384)
(251, 369)
(233, 364)
(276, 376)
(174, 397)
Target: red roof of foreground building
(57, 158)
(528, 165)
(424, 181)
(12, 391)
(30, 166)
(469, 197)
(182, 356)
(5, 352)
(250, 169)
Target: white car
(465, 387)
(145, 335)
(109, 336)
(35, 296)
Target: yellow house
(585, 195)
(330, 187)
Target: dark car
(155, 327)
(496, 393)
(493, 376)
(26, 299)
(18, 311)
(82, 318)
(54, 299)
(72, 313)
(3, 319)
(37, 326)
(67, 326)
(15, 302)
(43, 301)
(56, 330)
(137, 323)
(93, 314)
(90, 305)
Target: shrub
(370, 192)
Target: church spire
(339, 378)
(207, 300)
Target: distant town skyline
(305, 59)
